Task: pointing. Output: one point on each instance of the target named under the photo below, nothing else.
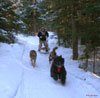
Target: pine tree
(9, 21)
(64, 21)
(29, 15)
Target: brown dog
(33, 56)
(52, 55)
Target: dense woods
(76, 22)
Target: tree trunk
(94, 62)
(34, 25)
(34, 19)
(74, 35)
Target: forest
(76, 23)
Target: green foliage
(61, 14)
(7, 37)
(90, 30)
(43, 14)
(9, 21)
(29, 15)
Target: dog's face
(59, 61)
(52, 56)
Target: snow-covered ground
(18, 79)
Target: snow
(39, 0)
(4, 19)
(3, 31)
(33, 6)
(18, 79)
(3, 8)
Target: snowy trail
(40, 85)
(36, 82)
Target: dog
(33, 56)
(52, 54)
(58, 70)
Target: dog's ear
(60, 56)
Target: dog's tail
(55, 48)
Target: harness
(58, 70)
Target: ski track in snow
(36, 82)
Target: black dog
(58, 70)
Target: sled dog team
(57, 70)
